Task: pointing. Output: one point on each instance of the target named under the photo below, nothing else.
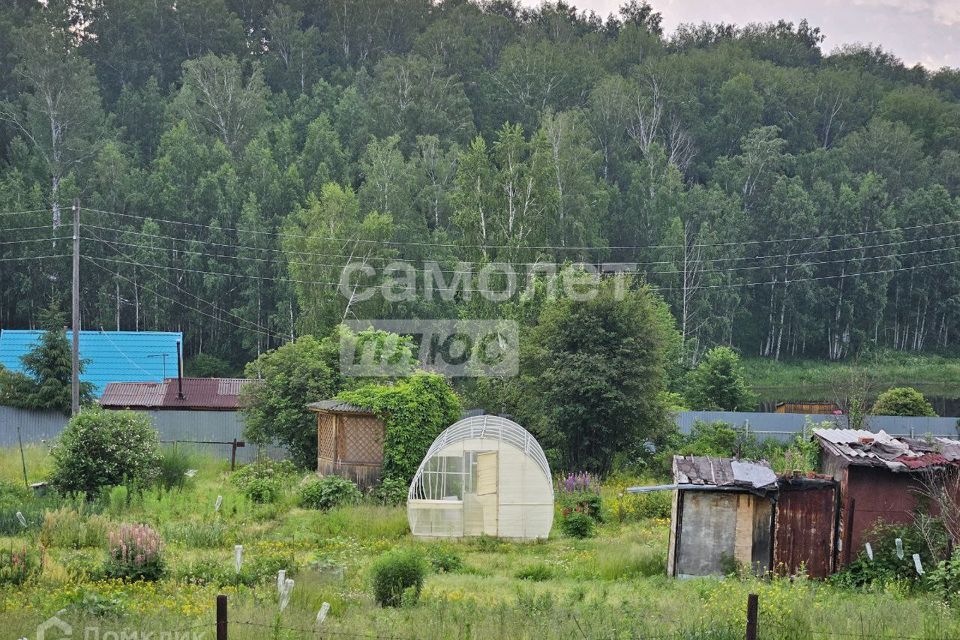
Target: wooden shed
(729, 512)
(349, 442)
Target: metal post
(233, 455)
(221, 617)
(75, 376)
(752, 616)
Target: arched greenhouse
(484, 475)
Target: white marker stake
(285, 594)
(869, 551)
(21, 519)
(899, 548)
(281, 577)
(216, 505)
(238, 556)
(917, 564)
(322, 614)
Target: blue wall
(113, 356)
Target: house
(185, 394)
(729, 513)
(484, 475)
(111, 356)
(879, 477)
(349, 442)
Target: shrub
(100, 449)
(19, 565)
(173, 467)
(886, 567)
(902, 401)
(328, 492)
(391, 492)
(718, 383)
(71, 529)
(445, 561)
(135, 553)
(264, 481)
(535, 572)
(397, 577)
(576, 523)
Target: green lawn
(610, 586)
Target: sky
(916, 31)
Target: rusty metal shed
(879, 478)
(729, 512)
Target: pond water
(945, 401)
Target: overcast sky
(924, 31)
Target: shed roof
(200, 394)
(337, 406)
(112, 356)
(723, 472)
(863, 448)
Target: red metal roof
(201, 394)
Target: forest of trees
(230, 156)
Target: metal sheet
(804, 532)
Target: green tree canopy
(49, 366)
(596, 369)
(902, 401)
(718, 383)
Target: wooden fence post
(752, 616)
(221, 617)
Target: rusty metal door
(804, 526)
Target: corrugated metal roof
(723, 472)
(113, 356)
(866, 448)
(217, 394)
(123, 395)
(337, 406)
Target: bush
(174, 464)
(535, 572)
(944, 580)
(902, 401)
(19, 565)
(576, 524)
(640, 506)
(398, 578)
(391, 492)
(580, 492)
(99, 449)
(71, 529)
(886, 567)
(445, 561)
(264, 481)
(328, 492)
(135, 553)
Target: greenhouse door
(483, 509)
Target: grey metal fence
(210, 432)
(785, 426)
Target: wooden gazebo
(349, 442)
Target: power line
(61, 255)
(7, 242)
(25, 211)
(720, 286)
(252, 324)
(777, 266)
(524, 247)
(284, 252)
(93, 261)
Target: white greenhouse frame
(484, 475)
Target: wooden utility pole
(75, 377)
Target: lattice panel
(361, 440)
(326, 443)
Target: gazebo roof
(338, 406)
